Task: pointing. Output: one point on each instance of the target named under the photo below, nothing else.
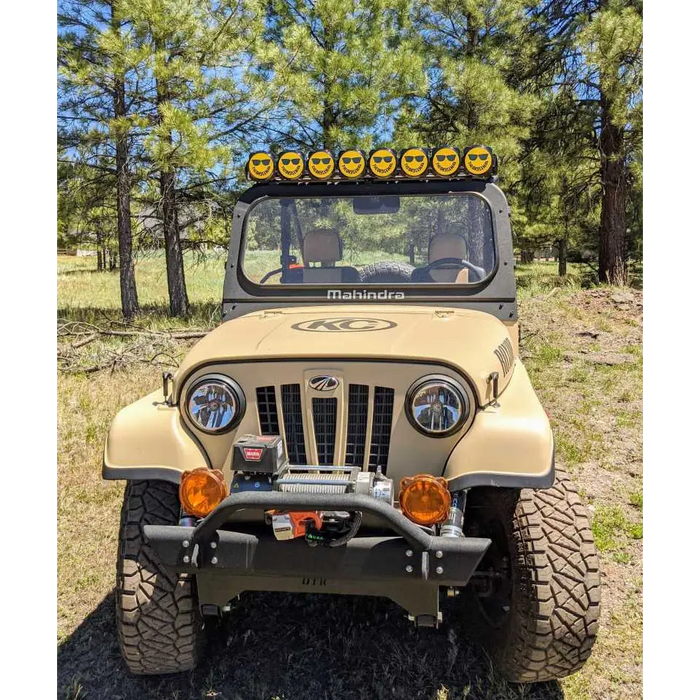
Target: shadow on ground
(297, 647)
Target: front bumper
(408, 567)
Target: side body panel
(149, 440)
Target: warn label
(253, 454)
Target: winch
(259, 464)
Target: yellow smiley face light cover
(478, 160)
(445, 161)
(352, 164)
(414, 162)
(260, 166)
(382, 162)
(320, 165)
(290, 165)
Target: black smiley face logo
(382, 162)
(290, 165)
(351, 163)
(321, 164)
(478, 160)
(414, 162)
(445, 161)
(260, 166)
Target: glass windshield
(383, 239)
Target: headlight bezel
(453, 385)
(236, 392)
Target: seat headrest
(322, 245)
(447, 245)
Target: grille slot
(267, 410)
(324, 412)
(358, 399)
(293, 423)
(381, 428)
(504, 353)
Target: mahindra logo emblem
(323, 382)
(351, 324)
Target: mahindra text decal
(364, 295)
(349, 324)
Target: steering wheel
(454, 264)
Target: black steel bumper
(408, 567)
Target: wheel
(385, 271)
(535, 598)
(158, 622)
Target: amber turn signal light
(201, 490)
(425, 499)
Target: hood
(472, 342)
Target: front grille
(504, 353)
(381, 428)
(358, 400)
(324, 412)
(267, 410)
(293, 423)
(367, 451)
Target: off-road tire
(552, 623)
(385, 271)
(158, 622)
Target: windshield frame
(495, 295)
(332, 193)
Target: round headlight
(437, 406)
(215, 403)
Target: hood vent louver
(504, 353)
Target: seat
(324, 247)
(444, 245)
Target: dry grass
(299, 647)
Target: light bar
(415, 163)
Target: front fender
(510, 444)
(148, 440)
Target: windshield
(383, 239)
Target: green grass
(293, 646)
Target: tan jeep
(360, 423)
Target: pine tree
(340, 67)
(590, 53)
(195, 103)
(96, 70)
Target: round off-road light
(425, 499)
(445, 161)
(352, 164)
(383, 162)
(414, 162)
(320, 165)
(201, 490)
(260, 166)
(215, 403)
(290, 165)
(437, 406)
(478, 160)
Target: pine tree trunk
(612, 253)
(177, 290)
(527, 256)
(562, 257)
(127, 277)
(100, 260)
